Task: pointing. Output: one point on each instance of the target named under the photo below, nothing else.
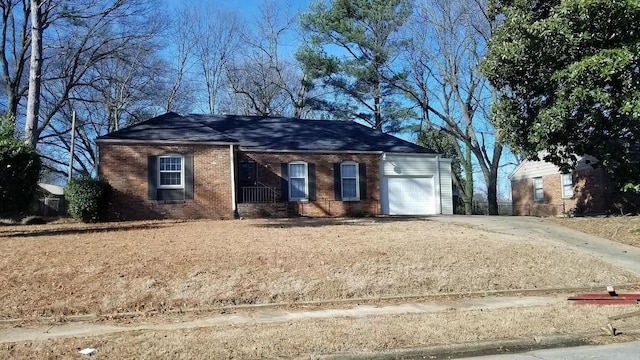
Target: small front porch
(261, 192)
(255, 199)
(318, 208)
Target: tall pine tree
(352, 45)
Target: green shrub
(87, 199)
(19, 171)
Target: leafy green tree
(19, 169)
(569, 76)
(352, 45)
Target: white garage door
(409, 196)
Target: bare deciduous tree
(123, 91)
(69, 38)
(15, 41)
(267, 82)
(39, 13)
(215, 35)
(449, 41)
(181, 62)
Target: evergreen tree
(352, 46)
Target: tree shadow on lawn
(319, 222)
(84, 229)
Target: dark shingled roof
(265, 133)
(168, 127)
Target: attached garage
(415, 184)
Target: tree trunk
(35, 73)
(492, 195)
(492, 180)
(12, 104)
(14, 43)
(299, 101)
(377, 111)
(468, 172)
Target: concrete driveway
(624, 256)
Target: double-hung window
(567, 185)
(538, 192)
(298, 181)
(349, 179)
(170, 172)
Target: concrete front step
(263, 210)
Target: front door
(247, 177)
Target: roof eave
(163, 142)
(517, 169)
(254, 149)
(414, 153)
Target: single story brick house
(538, 188)
(204, 166)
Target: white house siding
(532, 169)
(415, 184)
(446, 187)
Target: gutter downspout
(233, 181)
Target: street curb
(462, 350)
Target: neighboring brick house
(201, 166)
(538, 188)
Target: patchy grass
(310, 338)
(63, 269)
(623, 229)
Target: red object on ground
(606, 299)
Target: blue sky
(246, 7)
(250, 9)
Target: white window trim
(181, 186)
(564, 194)
(541, 188)
(357, 178)
(306, 181)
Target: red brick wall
(591, 194)
(125, 167)
(268, 165)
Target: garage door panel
(410, 195)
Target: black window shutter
(362, 169)
(284, 181)
(337, 181)
(152, 182)
(311, 168)
(188, 177)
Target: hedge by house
(19, 171)
(87, 198)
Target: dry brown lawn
(624, 229)
(308, 338)
(51, 270)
